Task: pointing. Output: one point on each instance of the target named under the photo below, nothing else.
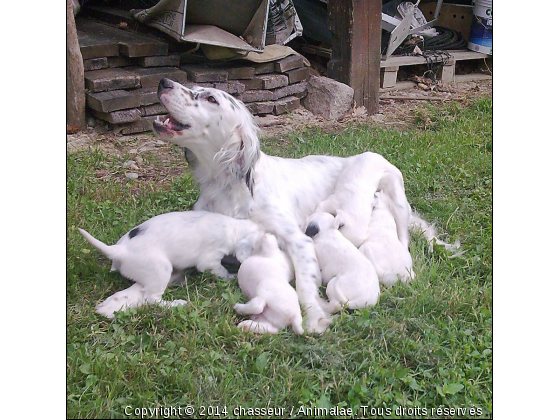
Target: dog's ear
(242, 151)
(312, 229)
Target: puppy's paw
(245, 325)
(178, 302)
(318, 326)
(237, 307)
(105, 311)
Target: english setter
(237, 179)
(391, 260)
(157, 253)
(264, 278)
(348, 274)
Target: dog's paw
(236, 307)
(319, 325)
(245, 325)
(105, 311)
(178, 302)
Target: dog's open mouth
(166, 123)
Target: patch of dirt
(155, 161)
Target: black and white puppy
(157, 252)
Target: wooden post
(75, 91)
(356, 48)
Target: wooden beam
(75, 92)
(356, 48)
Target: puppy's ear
(340, 219)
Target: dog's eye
(212, 100)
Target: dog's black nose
(164, 84)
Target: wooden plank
(112, 101)
(151, 76)
(110, 79)
(356, 48)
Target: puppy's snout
(164, 84)
(312, 230)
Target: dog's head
(217, 128)
(320, 222)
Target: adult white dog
(391, 260)
(239, 180)
(265, 278)
(350, 277)
(157, 252)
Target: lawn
(423, 350)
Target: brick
(113, 62)
(129, 44)
(273, 81)
(262, 68)
(159, 61)
(253, 84)
(112, 101)
(289, 63)
(260, 108)
(256, 96)
(140, 126)
(119, 117)
(231, 87)
(154, 109)
(95, 64)
(198, 73)
(146, 96)
(285, 105)
(110, 79)
(96, 46)
(290, 90)
(241, 72)
(151, 76)
(298, 75)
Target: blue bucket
(481, 30)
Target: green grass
(424, 345)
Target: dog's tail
(110, 251)
(416, 223)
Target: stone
(151, 76)
(131, 175)
(327, 97)
(253, 84)
(146, 96)
(262, 68)
(260, 108)
(232, 87)
(119, 117)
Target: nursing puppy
(157, 252)
(265, 279)
(350, 277)
(389, 256)
(353, 197)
